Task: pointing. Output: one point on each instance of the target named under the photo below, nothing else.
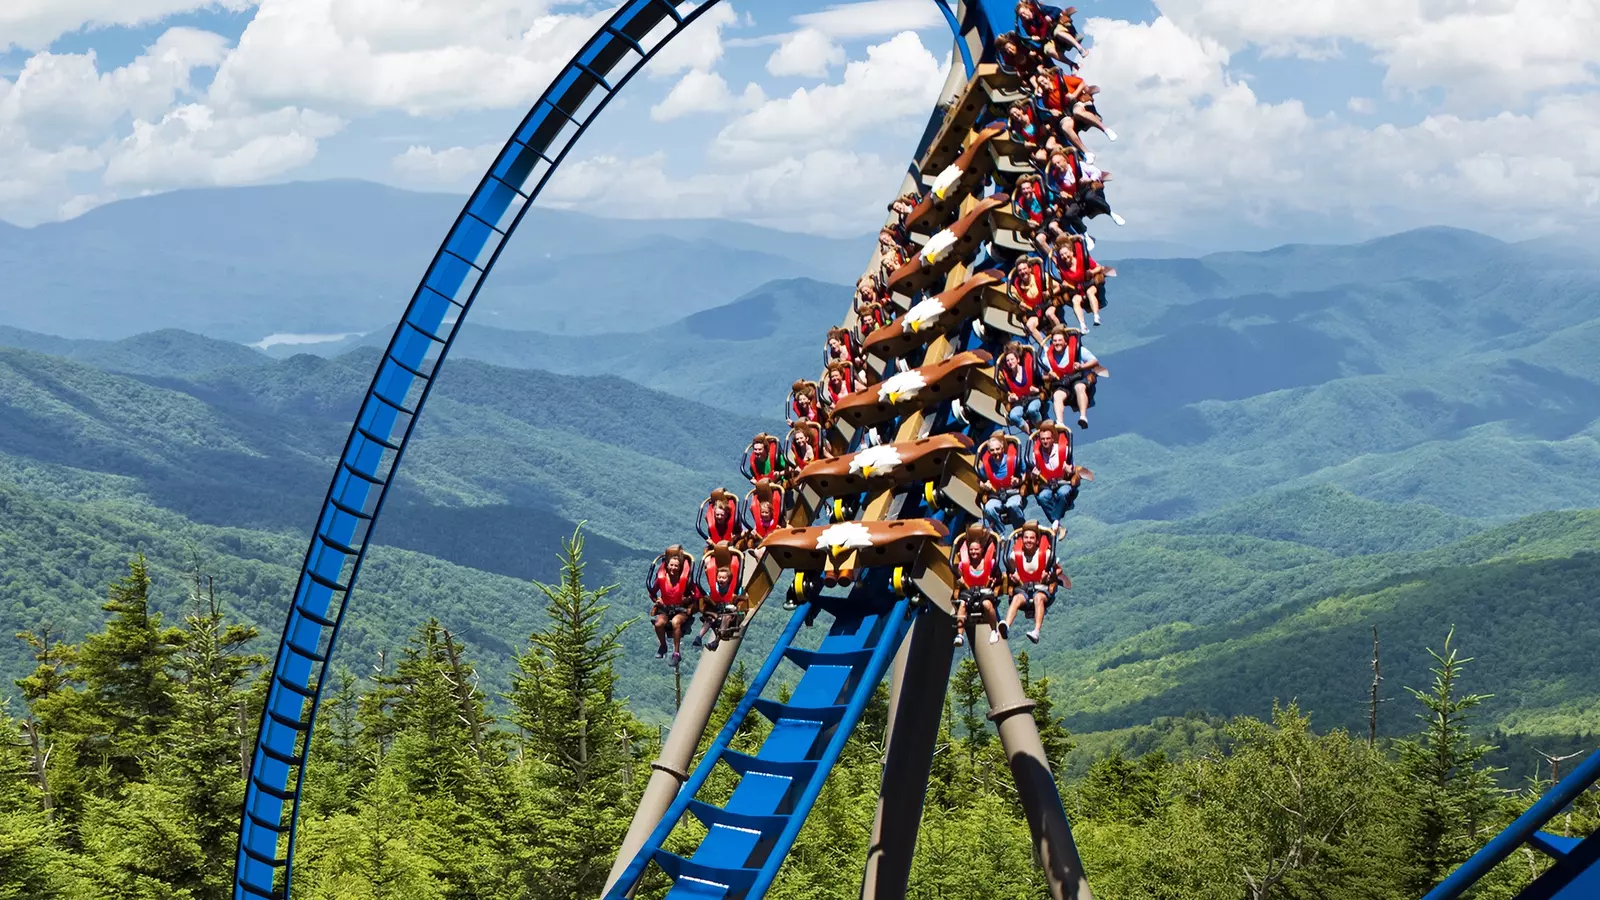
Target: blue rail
(1524, 830)
(747, 840)
(398, 392)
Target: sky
(1240, 122)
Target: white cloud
(59, 99)
(699, 47)
(1200, 150)
(34, 24)
(806, 52)
(898, 79)
(192, 145)
(1361, 106)
(704, 92)
(1482, 52)
(423, 57)
(872, 18)
(425, 167)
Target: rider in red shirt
(1034, 576)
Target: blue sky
(1240, 122)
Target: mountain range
(1294, 445)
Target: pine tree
(563, 700)
(966, 689)
(120, 697)
(431, 713)
(202, 767)
(1453, 794)
(1053, 732)
(31, 865)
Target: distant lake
(273, 340)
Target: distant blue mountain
(342, 256)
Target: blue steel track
(400, 388)
(405, 377)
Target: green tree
(1053, 731)
(204, 764)
(120, 698)
(577, 733)
(31, 864)
(1452, 793)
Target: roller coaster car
(834, 554)
(1002, 312)
(941, 314)
(913, 390)
(947, 187)
(988, 90)
(945, 249)
(940, 467)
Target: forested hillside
(125, 779)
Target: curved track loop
(400, 388)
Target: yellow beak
(894, 396)
(866, 471)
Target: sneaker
(1083, 422)
(961, 639)
(661, 652)
(1088, 157)
(676, 658)
(1088, 243)
(712, 644)
(1112, 135)
(1096, 320)
(994, 636)
(1004, 631)
(1118, 219)
(698, 642)
(1034, 635)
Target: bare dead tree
(1377, 679)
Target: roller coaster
(895, 502)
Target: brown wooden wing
(892, 543)
(919, 461)
(934, 212)
(960, 303)
(969, 231)
(943, 381)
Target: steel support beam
(1012, 712)
(671, 768)
(916, 705)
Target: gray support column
(1012, 712)
(671, 768)
(916, 704)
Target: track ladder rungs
(715, 816)
(731, 880)
(775, 711)
(745, 764)
(805, 659)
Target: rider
(719, 519)
(1001, 472)
(764, 458)
(1049, 29)
(721, 584)
(1018, 378)
(804, 446)
(1053, 477)
(763, 510)
(838, 381)
(978, 576)
(673, 598)
(803, 406)
(1034, 577)
(1079, 272)
(1026, 285)
(1071, 370)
